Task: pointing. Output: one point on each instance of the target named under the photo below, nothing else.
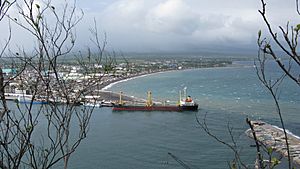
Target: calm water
(130, 140)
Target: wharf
(272, 136)
(104, 96)
(112, 96)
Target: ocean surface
(142, 140)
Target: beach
(113, 96)
(107, 95)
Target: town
(81, 82)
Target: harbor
(88, 88)
(102, 99)
(273, 137)
(117, 139)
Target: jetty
(99, 98)
(113, 96)
(272, 136)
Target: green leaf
(270, 150)
(37, 6)
(39, 17)
(29, 128)
(297, 28)
(275, 161)
(259, 34)
(233, 165)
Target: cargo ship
(185, 104)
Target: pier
(112, 96)
(272, 136)
(107, 97)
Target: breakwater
(273, 136)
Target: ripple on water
(143, 139)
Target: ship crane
(121, 102)
(149, 102)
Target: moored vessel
(27, 99)
(185, 104)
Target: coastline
(107, 85)
(110, 95)
(107, 94)
(124, 79)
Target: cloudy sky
(175, 25)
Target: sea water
(226, 97)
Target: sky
(172, 25)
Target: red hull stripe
(155, 108)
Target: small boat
(27, 99)
(99, 104)
(107, 104)
(92, 104)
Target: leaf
(39, 17)
(259, 34)
(270, 150)
(29, 128)
(297, 28)
(37, 6)
(275, 161)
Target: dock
(272, 136)
(113, 96)
(108, 97)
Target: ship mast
(179, 101)
(149, 102)
(180, 96)
(120, 99)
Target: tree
(46, 135)
(4, 6)
(289, 62)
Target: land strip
(273, 137)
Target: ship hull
(154, 108)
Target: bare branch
(4, 7)
(233, 147)
(179, 161)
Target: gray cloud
(170, 25)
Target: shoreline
(109, 84)
(104, 89)
(124, 79)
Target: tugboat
(186, 104)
